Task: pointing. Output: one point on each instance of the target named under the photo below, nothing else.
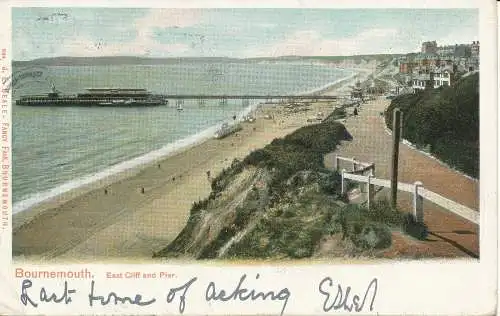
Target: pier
(225, 97)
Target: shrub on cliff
(446, 120)
(303, 149)
(295, 230)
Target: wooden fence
(417, 189)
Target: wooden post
(343, 182)
(401, 126)
(396, 121)
(418, 203)
(371, 187)
(336, 162)
(370, 191)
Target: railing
(417, 189)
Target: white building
(419, 82)
(441, 77)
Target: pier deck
(250, 96)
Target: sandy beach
(135, 213)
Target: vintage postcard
(223, 158)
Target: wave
(146, 159)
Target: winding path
(450, 235)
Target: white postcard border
(432, 287)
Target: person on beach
(208, 174)
(355, 111)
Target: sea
(56, 149)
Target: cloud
(166, 18)
(144, 44)
(312, 43)
(460, 36)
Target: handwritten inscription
(45, 296)
(112, 297)
(342, 300)
(54, 17)
(242, 294)
(19, 78)
(182, 298)
(336, 297)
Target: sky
(236, 33)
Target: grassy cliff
(281, 202)
(444, 121)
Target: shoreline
(127, 223)
(132, 166)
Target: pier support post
(418, 203)
(396, 137)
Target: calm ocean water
(56, 147)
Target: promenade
(450, 235)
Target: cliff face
(279, 202)
(241, 221)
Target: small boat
(226, 130)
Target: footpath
(449, 234)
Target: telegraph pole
(396, 136)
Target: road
(450, 235)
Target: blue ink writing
(25, 299)
(45, 297)
(112, 296)
(182, 302)
(341, 300)
(241, 293)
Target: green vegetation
(370, 229)
(302, 150)
(291, 229)
(339, 113)
(281, 202)
(444, 120)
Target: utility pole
(396, 136)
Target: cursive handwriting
(182, 302)
(18, 77)
(243, 294)
(112, 296)
(341, 298)
(44, 296)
